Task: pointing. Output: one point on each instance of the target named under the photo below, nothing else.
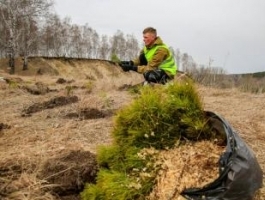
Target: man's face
(149, 39)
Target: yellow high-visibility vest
(167, 65)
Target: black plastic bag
(240, 173)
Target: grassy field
(61, 110)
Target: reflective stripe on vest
(167, 65)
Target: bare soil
(50, 104)
(48, 140)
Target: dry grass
(31, 141)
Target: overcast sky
(230, 32)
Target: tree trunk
(25, 63)
(26, 44)
(12, 42)
(11, 52)
(11, 64)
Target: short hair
(150, 30)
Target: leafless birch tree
(19, 16)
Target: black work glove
(127, 66)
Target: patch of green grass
(114, 185)
(121, 158)
(107, 101)
(13, 84)
(69, 90)
(89, 86)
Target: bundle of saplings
(160, 118)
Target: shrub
(159, 118)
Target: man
(155, 62)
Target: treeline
(30, 28)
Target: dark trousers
(156, 76)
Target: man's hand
(127, 66)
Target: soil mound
(4, 126)
(54, 102)
(88, 113)
(38, 88)
(62, 81)
(69, 172)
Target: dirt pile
(38, 88)
(61, 177)
(69, 172)
(52, 103)
(89, 113)
(4, 126)
(62, 81)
